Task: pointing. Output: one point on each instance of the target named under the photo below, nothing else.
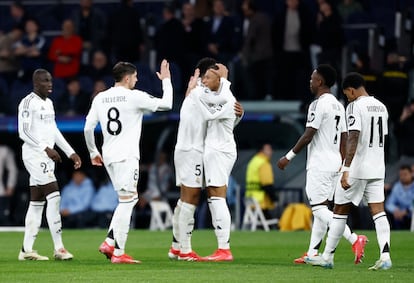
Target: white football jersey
(369, 116)
(221, 119)
(327, 115)
(192, 125)
(37, 126)
(120, 111)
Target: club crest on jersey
(25, 114)
(351, 120)
(311, 117)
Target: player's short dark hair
(204, 64)
(121, 69)
(328, 73)
(38, 72)
(354, 80)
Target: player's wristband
(345, 169)
(290, 155)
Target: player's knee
(127, 197)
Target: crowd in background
(270, 57)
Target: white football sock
(121, 223)
(350, 236)
(32, 221)
(336, 231)
(319, 228)
(382, 227)
(175, 229)
(186, 226)
(221, 220)
(53, 219)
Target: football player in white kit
(219, 155)
(120, 110)
(38, 130)
(363, 171)
(188, 159)
(325, 135)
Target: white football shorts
(189, 169)
(218, 166)
(371, 190)
(320, 186)
(124, 175)
(41, 168)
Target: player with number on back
(120, 110)
(363, 171)
(325, 136)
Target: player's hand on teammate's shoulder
(164, 70)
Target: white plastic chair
(254, 217)
(161, 215)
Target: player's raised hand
(221, 71)
(164, 70)
(192, 83)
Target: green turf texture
(259, 257)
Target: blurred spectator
(104, 203)
(74, 101)
(221, 34)
(348, 7)
(16, 18)
(9, 63)
(98, 86)
(65, 52)
(159, 180)
(260, 180)
(404, 130)
(90, 25)
(99, 67)
(292, 36)
(329, 35)
(394, 86)
(195, 39)
(170, 38)
(31, 49)
(126, 38)
(399, 203)
(7, 182)
(362, 64)
(257, 52)
(76, 201)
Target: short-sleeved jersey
(327, 115)
(120, 112)
(369, 116)
(37, 126)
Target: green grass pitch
(259, 257)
